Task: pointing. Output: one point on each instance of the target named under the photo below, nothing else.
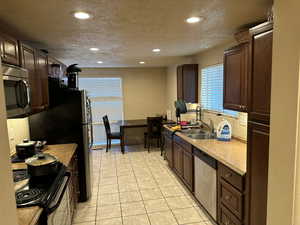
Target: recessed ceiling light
(156, 50)
(100, 62)
(94, 49)
(194, 19)
(142, 62)
(82, 15)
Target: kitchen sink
(198, 134)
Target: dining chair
(154, 127)
(109, 135)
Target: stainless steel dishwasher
(206, 181)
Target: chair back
(154, 126)
(106, 125)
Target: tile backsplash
(18, 130)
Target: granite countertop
(64, 153)
(232, 154)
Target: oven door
(60, 206)
(17, 96)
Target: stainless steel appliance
(206, 181)
(69, 120)
(17, 91)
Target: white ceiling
(126, 31)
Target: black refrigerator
(68, 120)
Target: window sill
(220, 113)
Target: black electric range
(37, 191)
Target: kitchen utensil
(42, 164)
(26, 149)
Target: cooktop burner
(38, 190)
(20, 175)
(27, 196)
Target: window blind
(212, 89)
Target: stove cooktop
(39, 190)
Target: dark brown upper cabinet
(9, 50)
(187, 83)
(28, 61)
(235, 77)
(259, 89)
(42, 72)
(37, 65)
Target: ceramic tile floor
(137, 188)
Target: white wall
(7, 196)
(143, 89)
(18, 130)
(283, 190)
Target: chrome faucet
(198, 113)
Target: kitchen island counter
(64, 153)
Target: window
(212, 89)
(106, 97)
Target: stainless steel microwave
(17, 91)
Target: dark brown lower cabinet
(188, 169)
(168, 150)
(257, 170)
(73, 185)
(178, 159)
(231, 197)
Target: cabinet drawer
(185, 145)
(227, 218)
(231, 177)
(232, 199)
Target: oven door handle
(57, 203)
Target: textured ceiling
(126, 31)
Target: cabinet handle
(227, 175)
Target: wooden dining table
(124, 124)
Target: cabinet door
(179, 83)
(235, 77)
(188, 169)
(178, 159)
(9, 50)
(190, 83)
(169, 150)
(29, 63)
(260, 77)
(42, 71)
(257, 172)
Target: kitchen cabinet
(188, 169)
(235, 77)
(260, 74)
(42, 71)
(168, 146)
(258, 161)
(178, 159)
(183, 161)
(73, 185)
(231, 196)
(259, 98)
(37, 65)
(9, 50)
(187, 83)
(28, 61)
